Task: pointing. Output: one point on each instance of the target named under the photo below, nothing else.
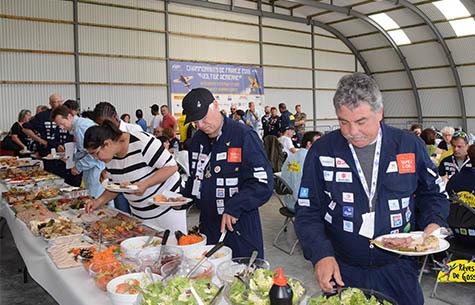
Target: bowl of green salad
(260, 283)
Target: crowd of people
(353, 184)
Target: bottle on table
(280, 293)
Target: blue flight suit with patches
(332, 201)
(237, 179)
(287, 119)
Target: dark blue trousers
(247, 235)
(121, 203)
(396, 280)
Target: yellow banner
(458, 271)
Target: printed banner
(230, 84)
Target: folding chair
(458, 249)
(282, 190)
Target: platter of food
(63, 251)
(33, 211)
(14, 162)
(170, 199)
(55, 227)
(411, 244)
(84, 217)
(62, 204)
(116, 229)
(16, 176)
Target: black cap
(154, 107)
(196, 103)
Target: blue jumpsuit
(236, 179)
(287, 119)
(48, 130)
(332, 200)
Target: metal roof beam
(224, 7)
(353, 13)
(446, 49)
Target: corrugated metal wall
(122, 55)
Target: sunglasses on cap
(460, 134)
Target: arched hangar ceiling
(423, 39)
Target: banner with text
(230, 84)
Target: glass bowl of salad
(227, 271)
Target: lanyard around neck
(374, 178)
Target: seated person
(293, 167)
(165, 142)
(447, 133)
(17, 140)
(461, 219)
(286, 140)
(173, 142)
(453, 164)
(428, 136)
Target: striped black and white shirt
(145, 156)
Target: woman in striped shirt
(140, 159)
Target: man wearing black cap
(230, 176)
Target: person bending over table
(83, 162)
(140, 159)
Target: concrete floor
(13, 291)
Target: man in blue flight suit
(230, 176)
(286, 118)
(48, 135)
(362, 181)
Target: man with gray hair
(362, 181)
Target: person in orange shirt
(169, 120)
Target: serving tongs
(337, 289)
(166, 234)
(205, 258)
(196, 296)
(215, 298)
(245, 276)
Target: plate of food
(56, 156)
(170, 199)
(123, 187)
(411, 244)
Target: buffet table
(68, 286)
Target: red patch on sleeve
(406, 163)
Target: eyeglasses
(95, 153)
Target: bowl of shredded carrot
(190, 241)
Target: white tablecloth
(68, 286)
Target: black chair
(462, 216)
(283, 190)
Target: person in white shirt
(156, 120)
(286, 141)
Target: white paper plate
(443, 244)
(116, 188)
(169, 194)
(56, 157)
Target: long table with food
(107, 257)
